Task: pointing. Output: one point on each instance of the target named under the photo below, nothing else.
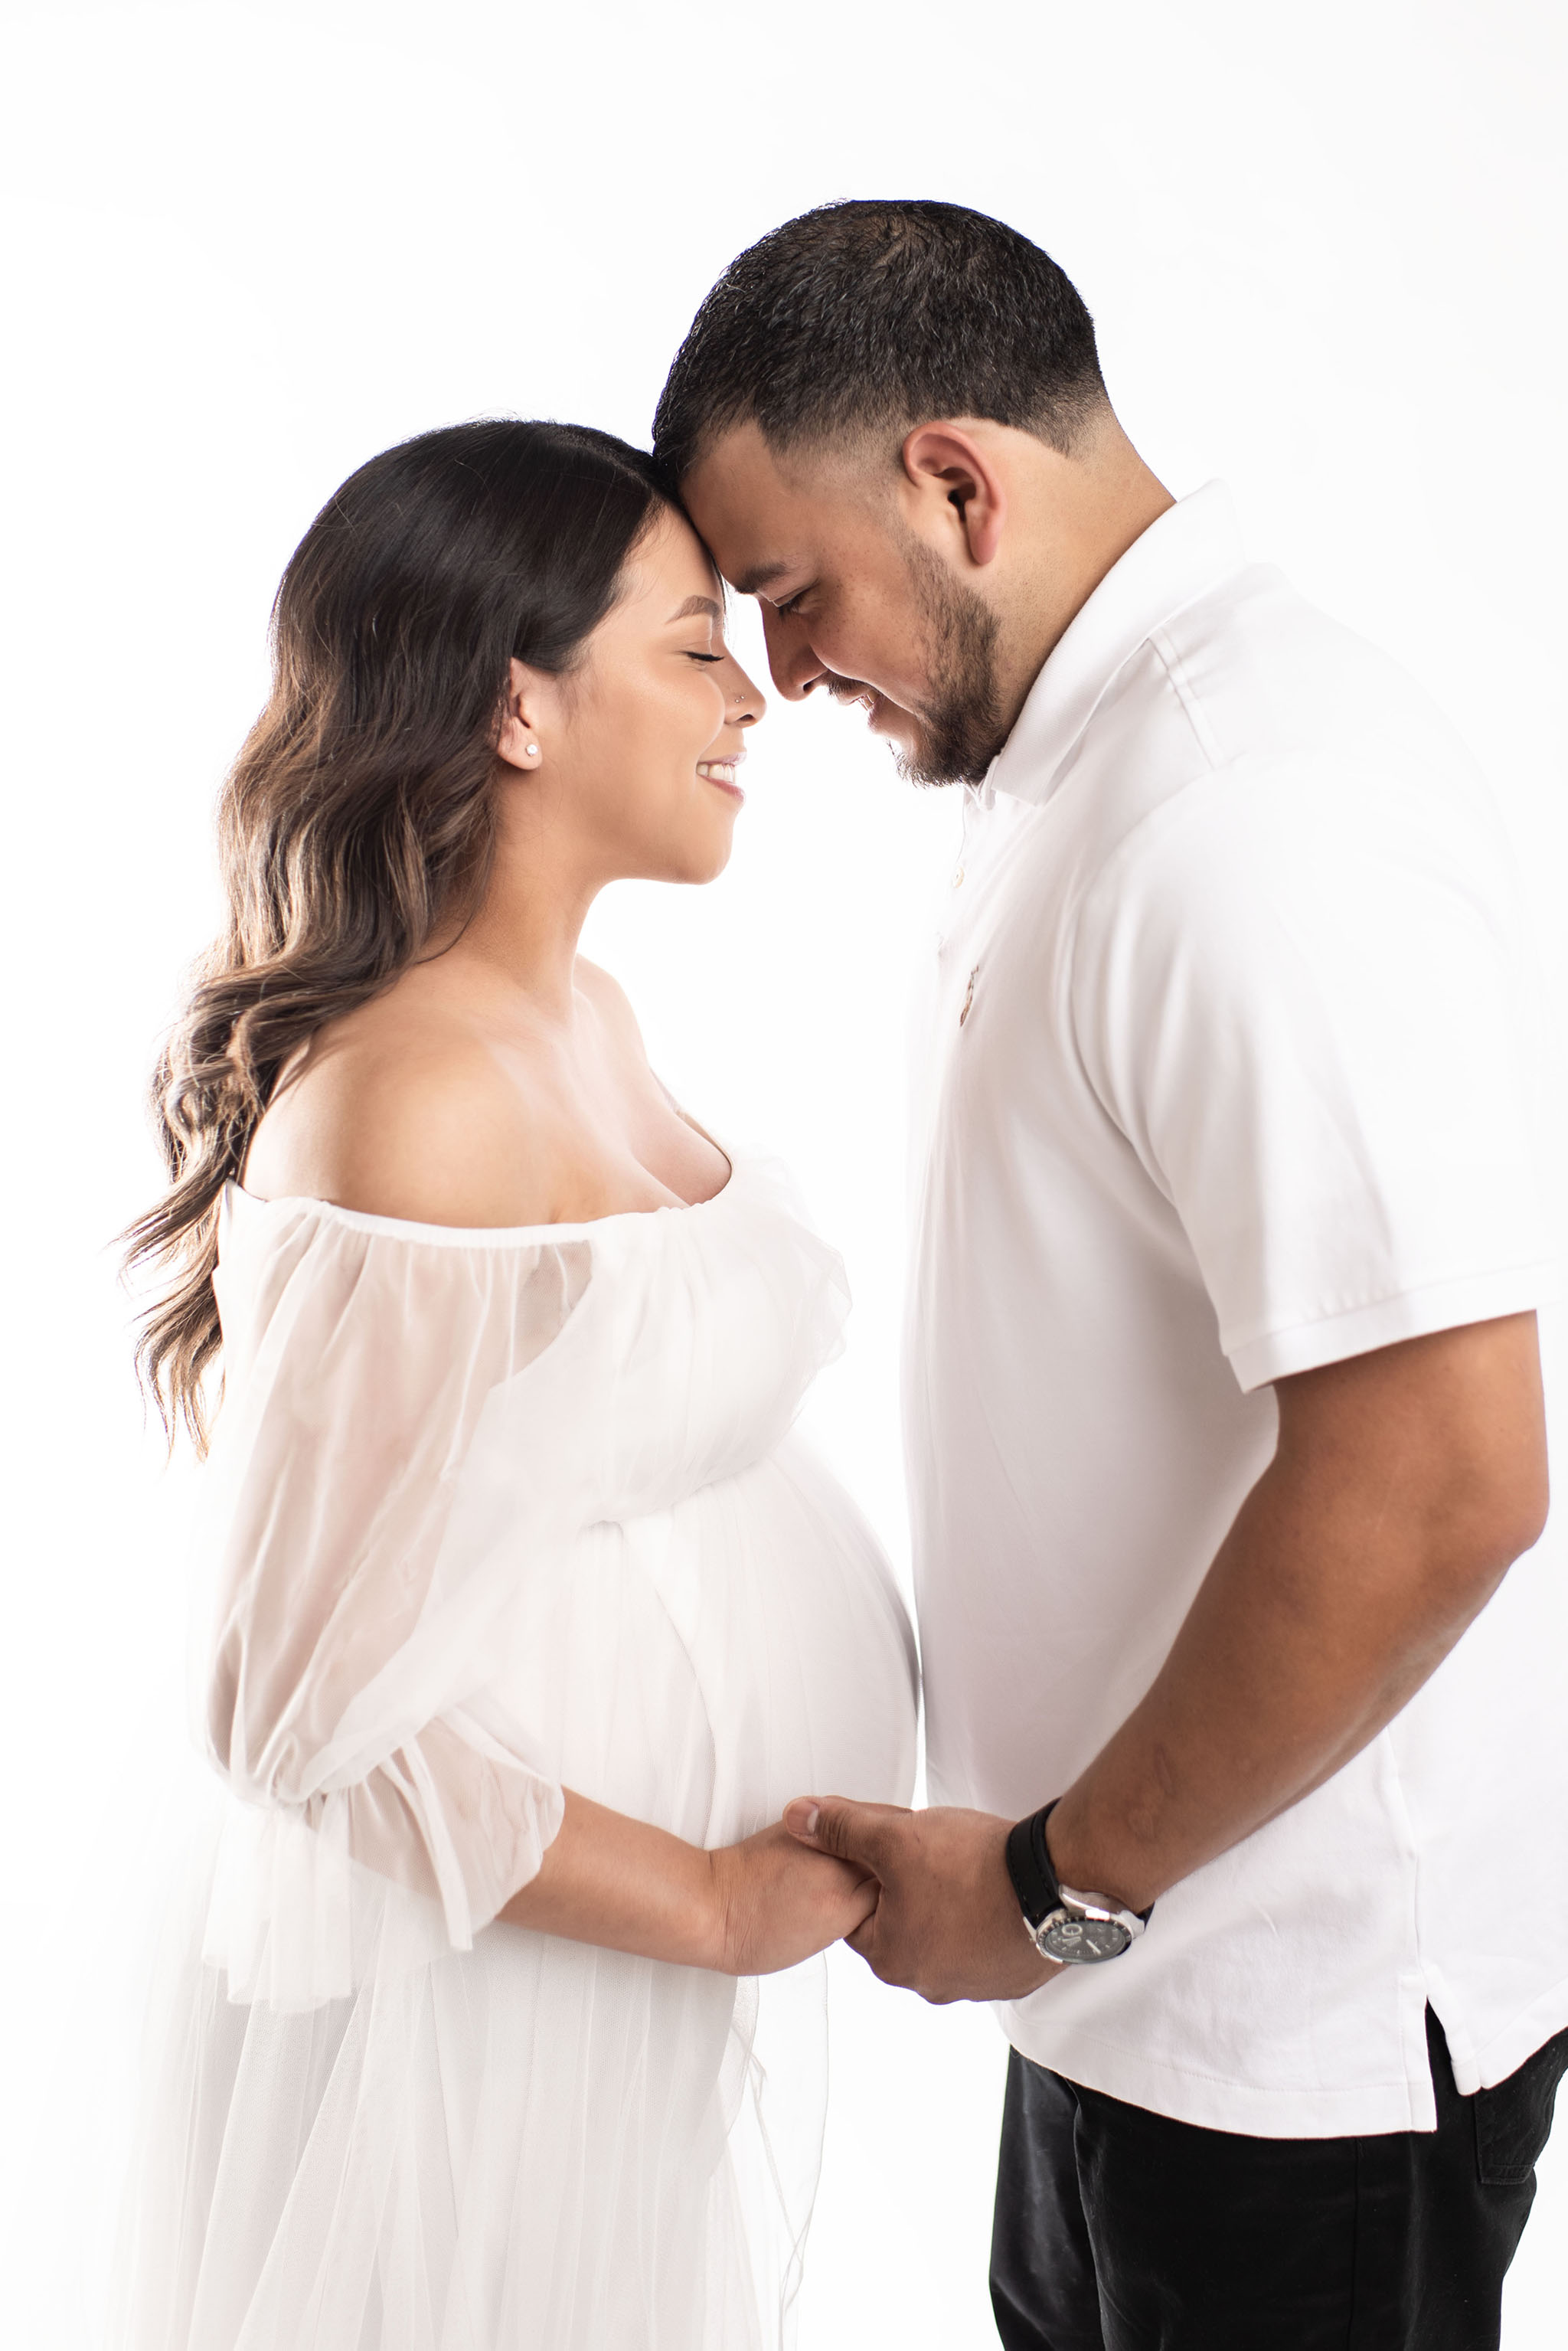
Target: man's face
(853, 599)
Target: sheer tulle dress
(489, 1514)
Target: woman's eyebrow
(693, 607)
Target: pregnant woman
(526, 1613)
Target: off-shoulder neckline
(486, 1235)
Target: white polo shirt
(1231, 1068)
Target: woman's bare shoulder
(408, 1116)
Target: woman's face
(638, 750)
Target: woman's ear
(943, 463)
(517, 743)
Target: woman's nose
(745, 703)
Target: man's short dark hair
(867, 315)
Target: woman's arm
(744, 1909)
(404, 1118)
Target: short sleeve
(358, 1570)
(1299, 991)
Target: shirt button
(958, 879)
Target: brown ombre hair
(360, 813)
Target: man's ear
(518, 741)
(945, 462)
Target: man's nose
(795, 667)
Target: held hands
(938, 1914)
(776, 1901)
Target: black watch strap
(1029, 1867)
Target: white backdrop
(246, 247)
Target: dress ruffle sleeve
(362, 1549)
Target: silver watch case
(1084, 1929)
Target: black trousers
(1121, 2230)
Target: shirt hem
(1506, 2050)
(1410, 1314)
(1247, 2109)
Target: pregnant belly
(700, 1666)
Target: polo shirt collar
(1191, 549)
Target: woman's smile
(722, 772)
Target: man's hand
(946, 1922)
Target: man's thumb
(825, 1821)
(821, 1823)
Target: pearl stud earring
(530, 751)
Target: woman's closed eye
(704, 657)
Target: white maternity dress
(490, 1514)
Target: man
(1224, 1407)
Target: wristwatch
(1076, 1928)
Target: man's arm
(1404, 1484)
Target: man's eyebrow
(696, 607)
(760, 576)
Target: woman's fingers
(785, 1902)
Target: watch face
(1079, 1941)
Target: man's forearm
(1405, 1483)
(1281, 1674)
(1352, 1567)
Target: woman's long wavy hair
(360, 814)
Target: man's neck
(1080, 516)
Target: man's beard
(960, 730)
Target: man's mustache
(846, 689)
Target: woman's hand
(743, 1910)
(777, 1902)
